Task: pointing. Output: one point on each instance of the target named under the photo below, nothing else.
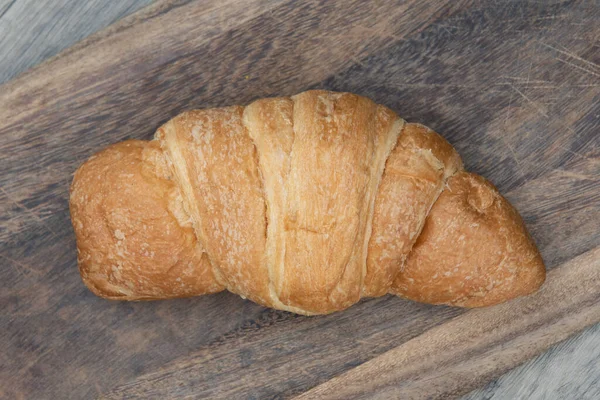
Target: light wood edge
(464, 353)
(90, 56)
(128, 21)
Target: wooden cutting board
(515, 86)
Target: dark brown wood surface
(515, 86)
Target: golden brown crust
(415, 174)
(269, 123)
(336, 160)
(304, 204)
(474, 250)
(321, 155)
(134, 239)
(216, 165)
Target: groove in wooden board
(464, 353)
(245, 363)
(32, 31)
(122, 54)
(139, 45)
(154, 9)
(568, 369)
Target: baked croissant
(304, 204)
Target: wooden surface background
(515, 86)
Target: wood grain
(514, 86)
(568, 370)
(465, 352)
(51, 26)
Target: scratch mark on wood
(529, 73)
(592, 160)
(357, 61)
(572, 55)
(578, 67)
(447, 30)
(505, 142)
(514, 155)
(18, 265)
(30, 212)
(533, 103)
(575, 175)
(445, 85)
(554, 87)
(36, 359)
(519, 78)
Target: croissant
(305, 204)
